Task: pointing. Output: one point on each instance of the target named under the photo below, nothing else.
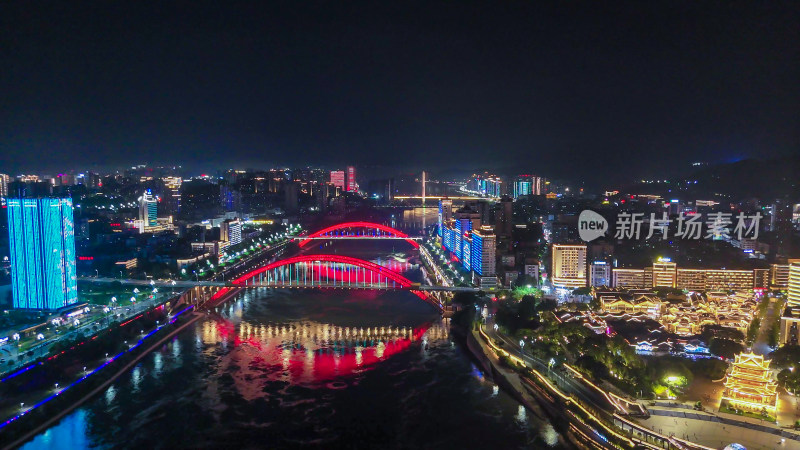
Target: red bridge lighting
(376, 226)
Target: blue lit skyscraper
(42, 246)
(148, 209)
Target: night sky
(582, 90)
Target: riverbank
(514, 384)
(64, 403)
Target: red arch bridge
(309, 271)
(358, 230)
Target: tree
(774, 335)
(711, 368)
(752, 330)
(725, 348)
(786, 356)
(711, 331)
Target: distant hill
(750, 178)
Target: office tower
(569, 266)
(231, 230)
(352, 186)
(483, 252)
(148, 210)
(337, 178)
(4, 180)
(172, 195)
(42, 248)
(600, 274)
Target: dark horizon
(598, 94)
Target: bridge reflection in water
(307, 352)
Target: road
(565, 380)
(95, 316)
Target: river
(304, 368)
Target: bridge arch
(345, 262)
(369, 225)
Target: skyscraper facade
(172, 195)
(148, 209)
(337, 178)
(352, 186)
(794, 284)
(231, 231)
(4, 180)
(569, 266)
(42, 247)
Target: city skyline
(430, 83)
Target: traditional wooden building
(749, 385)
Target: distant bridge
(358, 230)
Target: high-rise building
(445, 214)
(4, 180)
(42, 247)
(505, 217)
(794, 284)
(148, 210)
(321, 195)
(172, 195)
(665, 273)
(600, 274)
(291, 191)
(231, 231)
(482, 256)
(337, 178)
(569, 266)
(527, 185)
(352, 186)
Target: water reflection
(308, 352)
(322, 369)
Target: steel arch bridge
(335, 271)
(341, 231)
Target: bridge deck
(190, 284)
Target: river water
(304, 368)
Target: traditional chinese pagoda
(749, 385)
